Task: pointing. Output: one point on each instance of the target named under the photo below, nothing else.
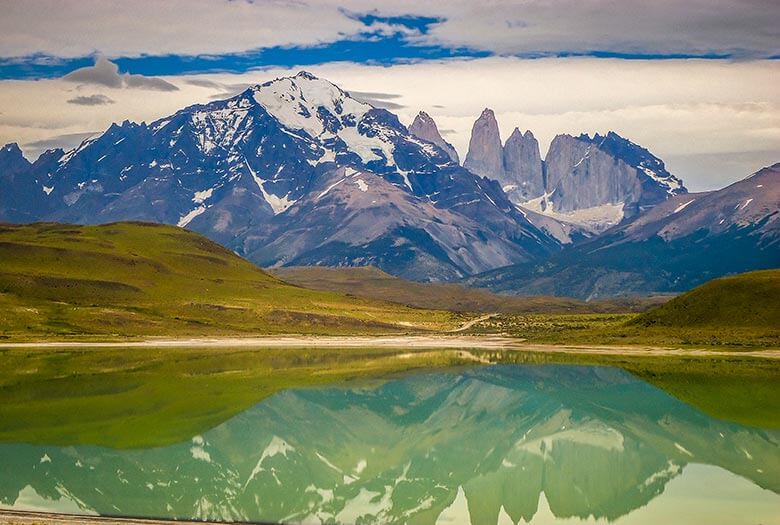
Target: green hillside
(746, 300)
(138, 279)
(738, 312)
(372, 283)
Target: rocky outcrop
(516, 165)
(18, 187)
(523, 175)
(424, 127)
(485, 156)
(592, 182)
(585, 172)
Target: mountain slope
(132, 279)
(241, 170)
(678, 244)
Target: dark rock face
(249, 171)
(424, 127)
(680, 243)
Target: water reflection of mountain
(595, 440)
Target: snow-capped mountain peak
(305, 102)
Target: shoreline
(35, 517)
(442, 342)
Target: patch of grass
(631, 330)
(135, 279)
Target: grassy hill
(138, 279)
(372, 283)
(746, 300)
(738, 312)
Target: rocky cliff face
(424, 127)
(20, 189)
(522, 167)
(516, 165)
(485, 155)
(584, 172)
(590, 182)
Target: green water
(487, 446)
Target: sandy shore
(401, 342)
(291, 341)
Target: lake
(488, 445)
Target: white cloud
(628, 26)
(69, 28)
(712, 121)
(106, 73)
(191, 27)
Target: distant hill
(745, 300)
(372, 283)
(132, 279)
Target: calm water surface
(491, 446)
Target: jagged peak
(487, 113)
(305, 74)
(13, 153)
(11, 147)
(424, 117)
(50, 154)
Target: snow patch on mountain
(187, 218)
(682, 206)
(200, 196)
(595, 219)
(278, 204)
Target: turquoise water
(488, 446)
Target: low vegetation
(738, 312)
(137, 279)
(746, 300)
(372, 283)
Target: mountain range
(680, 243)
(298, 172)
